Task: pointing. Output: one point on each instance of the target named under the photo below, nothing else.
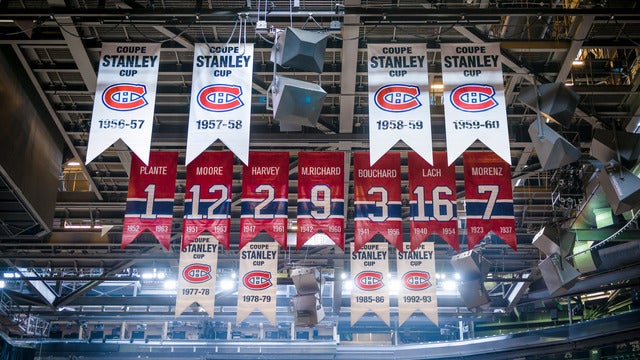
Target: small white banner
(369, 273)
(399, 99)
(258, 280)
(417, 276)
(220, 99)
(474, 102)
(197, 276)
(125, 98)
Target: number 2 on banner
(383, 204)
(195, 202)
(321, 200)
(491, 202)
(151, 196)
(271, 195)
(438, 204)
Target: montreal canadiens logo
(369, 280)
(197, 273)
(397, 98)
(257, 280)
(220, 97)
(416, 280)
(473, 97)
(125, 97)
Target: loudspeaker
(470, 265)
(306, 280)
(586, 260)
(297, 102)
(300, 49)
(554, 101)
(473, 293)
(558, 274)
(603, 145)
(307, 310)
(550, 241)
(553, 150)
(622, 189)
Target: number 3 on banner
(491, 202)
(321, 200)
(195, 202)
(271, 195)
(383, 204)
(438, 203)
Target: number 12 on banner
(215, 211)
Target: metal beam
(349, 57)
(580, 35)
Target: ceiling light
(147, 276)
(2, 284)
(450, 285)
(436, 87)
(577, 63)
(170, 284)
(226, 284)
(73, 163)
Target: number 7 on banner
(489, 198)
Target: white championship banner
(474, 102)
(257, 280)
(125, 98)
(399, 99)
(197, 276)
(220, 99)
(417, 275)
(369, 272)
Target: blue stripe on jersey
(478, 208)
(203, 208)
(138, 207)
(273, 208)
(428, 209)
(363, 210)
(305, 208)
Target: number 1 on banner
(264, 203)
(195, 202)
(321, 198)
(151, 196)
(493, 191)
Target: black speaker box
(553, 150)
(554, 100)
(558, 274)
(300, 49)
(297, 102)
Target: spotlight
(621, 187)
(558, 274)
(300, 49)
(553, 150)
(297, 102)
(554, 101)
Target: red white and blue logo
(197, 273)
(416, 280)
(369, 280)
(125, 97)
(257, 280)
(397, 98)
(473, 97)
(220, 97)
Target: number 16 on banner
(432, 200)
(489, 198)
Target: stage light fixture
(300, 49)
(558, 274)
(554, 101)
(553, 150)
(296, 102)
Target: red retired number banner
(265, 193)
(432, 200)
(207, 200)
(489, 198)
(377, 200)
(320, 196)
(150, 197)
